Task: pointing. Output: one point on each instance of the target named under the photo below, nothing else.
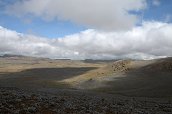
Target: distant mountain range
(11, 55)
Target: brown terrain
(46, 86)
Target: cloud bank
(151, 40)
(106, 15)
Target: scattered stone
(23, 102)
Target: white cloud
(98, 14)
(156, 2)
(168, 18)
(151, 40)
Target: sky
(92, 29)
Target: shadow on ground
(141, 83)
(41, 77)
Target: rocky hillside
(162, 65)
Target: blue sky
(86, 29)
(40, 27)
(59, 28)
(35, 25)
(158, 13)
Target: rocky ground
(15, 101)
(44, 86)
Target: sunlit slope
(129, 77)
